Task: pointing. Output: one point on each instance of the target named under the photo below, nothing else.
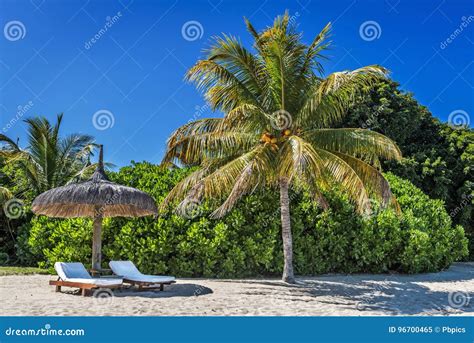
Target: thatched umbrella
(95, 198)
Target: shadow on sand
(175, 290)
(393, 294)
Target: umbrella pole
(97, 243)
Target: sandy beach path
(450, 292)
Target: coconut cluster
(268, 138)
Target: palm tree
(278, 127)
(50, 160)
(5, 194)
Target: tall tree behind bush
(438, 158)
(247, 242)
(49, 160)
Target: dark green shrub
(431, 243)
(247, 242)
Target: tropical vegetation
(278, 127)
(247, 242)
(49, 160)
(433, 182)
(438, 157)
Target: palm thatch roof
(96, 197)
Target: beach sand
(450, 292)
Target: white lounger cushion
(72, 270)
(101, 282)
(128, 270)
(76, 272)
(151, 278)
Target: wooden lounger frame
(84, 287)
(145, 285)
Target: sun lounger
(75, 275)
(133, 276)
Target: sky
(116, 68)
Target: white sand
(447, 293)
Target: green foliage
(430, 237)
(438, 159)
(247, 242)
(49, 160)
(21, 271)
(70, 239)
(278, 125)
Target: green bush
(247, 242)
(470, 237)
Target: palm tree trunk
(288, 275)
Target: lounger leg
(84, 292)
(58, 288)
(162, 287)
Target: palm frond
(196, 148)
(223, 89)
(340, 171)
(373, 180)
(363, 143)
(244, 149)
(328, 101)
(49, 160)
(248, 117)
(252, 30)
(5, 194)
(251, 177)
(9, 143)
(229, 52)
(313, 53)
(298, 159)
(180, 190)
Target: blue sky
(132, 75)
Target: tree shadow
(391, 294)
(394, 297)
(173, 290)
